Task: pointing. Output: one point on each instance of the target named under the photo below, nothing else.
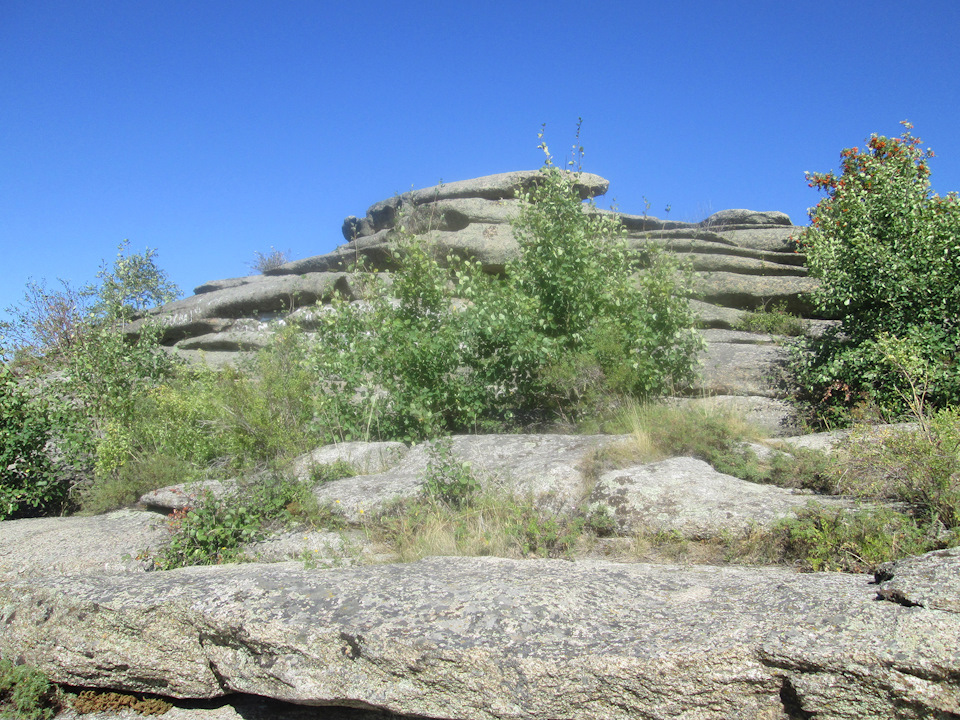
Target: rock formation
(743, 260)
(324, 619)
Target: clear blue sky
(211, 129)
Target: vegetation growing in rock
(263, 262)
(26, 693)
(776, 320)
(564, 335)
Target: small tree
(887, 252)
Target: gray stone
(688, 496)
(493, 246)
(715, 316)
(780, 240)
(749, 292)
(736, 366)
(715, 262)
(931, 581)
(745, 217)
(186, 495)
(114, 542)
(547, 467)
(230, 341)
(774, 417)
(215, 285)
(263, 296)
(367, 458)
(485, 638)
(315, 549)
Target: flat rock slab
(544, 466)
(688, 496)
(485, 638)
(741, 368)
(112, 542)
(931, 581)
(770, 415)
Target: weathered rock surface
(548, 467)
(741, 363)
(112, 542)
(491, 638)
(688, 496)
(773, 416)
(743, 260)
(930, 581)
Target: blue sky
(213, 129)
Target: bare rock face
(741, 363)
(485, 638)
(547, 467)
(114, 542)
(688, 496)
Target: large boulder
(485, 638)
(689, 497)
(551, 468)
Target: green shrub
(28, 481)
(565, 331)
(215, 530)
(916, 467)
(827, 539)
(26, 693)
(885, 250)
(447, 479)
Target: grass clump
(491, 523)
(775, 321)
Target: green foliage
(131, 286)
(798, 468)
(215, 530)
(775, 321)
(885, 249)
(565, 329)
(447, 479)
(28, 482)
(918, 467)
(825, 539)
(92, 376)
(26, 693)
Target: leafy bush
(885, 250)
(93, 377)
(561, 333)
(916, 467)
(829, 539)
(213, 531)
(448, 480)
(28, 482)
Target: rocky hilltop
(743, 260)
(321, 624)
